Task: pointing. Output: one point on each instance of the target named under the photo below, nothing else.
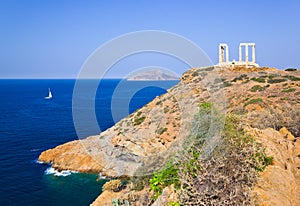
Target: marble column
(220, 54)
(253, 53)
(227, 54)
(246, 53)
(240, 53)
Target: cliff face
(279, 183)
(266, 99)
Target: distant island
(153, 75)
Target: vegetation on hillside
(276, 118)
(219, 163)
(222, 177)
(225, 176)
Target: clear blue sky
(52, 38)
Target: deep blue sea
(30, 124)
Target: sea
(30, 124)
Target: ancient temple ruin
(243, 61)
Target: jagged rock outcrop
(70, 156)
(279, 183)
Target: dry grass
(276, 119)
(226, 176)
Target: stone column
(220, 53)
(246, 53)
(240, 53)
(227, 54)
(253, 53)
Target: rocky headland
(263, 164)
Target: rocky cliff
(266, 99)
(279, 183)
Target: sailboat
(49, 94)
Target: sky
(53, 38)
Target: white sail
(49, 95)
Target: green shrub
(292, 78)
(246, 99)
(161, 130)
(195, 74)
(208, 69)
(158, 103)
(166, 109)
(271, 76)
(256, 88)
(190, 165)
(139, 120)
(290, 69)
(289, 90)
(254, 101)
(263, 160)
(242, 77)
(260, 79)
(173, 204)
(227, 84)
(167, 176)
(297, 93)
(205, 106)
(273, 81)
(138, 183)
(217, 81)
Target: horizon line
(113, 78)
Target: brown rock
(253, 107)
(278, 183)
(106, 197)
(297, 147)
(71, 156)
(168, 195)
(287, 134)
(136, 198)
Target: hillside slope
(265, 99)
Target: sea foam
(100, 176)
(38, 162)
(63, 173)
